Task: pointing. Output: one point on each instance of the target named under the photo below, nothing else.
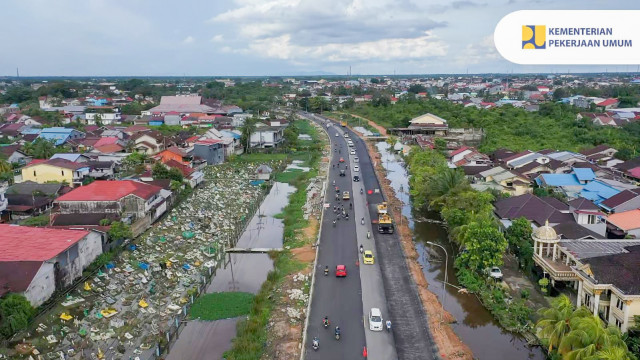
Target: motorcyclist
(316, 343)
(368, 234)
(325, 321)
(326, 272)
(337, 333)
(361, 248)
(362, 221)
(388, 325)
(334, 222)
(361, 191)
(350, 205)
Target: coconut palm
(612, 353)
(555, 321)
(4, 166)
(587, 337)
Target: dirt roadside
(449, 345)
(382, 130)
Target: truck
(343, 123)
(385, 223)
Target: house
(75, 157)
(588, 215)
(467, 156)
(623, 224)
(181, 104)
(55, 170)
(101, 170)
(150, 142)
(135, 202)
(623, 201)
(608, 104)
(210, 150)
(538, 211)
(602, 273)
(429, 121)
(36, 262)
(176, 154)
(265, 136)
(29, 199)
(15, 155)
(106, 115)
(600, 152)
(60, 135)
(503, 180)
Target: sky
(265, 37)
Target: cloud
(189, 40)
(480, 52)
(333, 30)
(217, 38)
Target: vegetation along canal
(475, 325)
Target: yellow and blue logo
(534, 36)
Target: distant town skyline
(266, 38)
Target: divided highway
(347, 301)
(386, 285)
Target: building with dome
(600, 274)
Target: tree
(246, 130)
(555, 320)
(15, 314)
(416, 88)
(4, 166)
(40, 148)
(484, 246)
(291, 136)
(119, 230)
(444, 183)
(588, 337)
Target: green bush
(15, 314)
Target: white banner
(581, 37)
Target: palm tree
(587, 337)
(612, 353)
(444, 183)
(247, 129)
(555, 321)
(4, 166)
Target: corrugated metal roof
(24, 243)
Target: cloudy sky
(264, 37)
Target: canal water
(475, 325)
(243, 272)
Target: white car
(350, 143)
(375, 320)
(495, 273)
(356, 159)
(352, 152)
(356, 168)
(346, 135)
(337, 135)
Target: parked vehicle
(495, 273)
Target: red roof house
(30, 255)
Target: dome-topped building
(544, 240)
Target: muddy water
(475, 325)
(243, 272)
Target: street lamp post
(444, 283)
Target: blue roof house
(584, 175)
(598, 192)
(60, 135)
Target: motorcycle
(334, 223)
(337, 333)
(361, 249)
(326, 272)
(362, 221)
(316, 343)
(361, 191)
(388, 325)
(368, 234)
(325, 322)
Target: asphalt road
(338, 298)
(411, 334)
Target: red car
(341, 271)
(341, 160)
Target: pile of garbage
(129, 306)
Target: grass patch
(40, 220)
(288, 176)
(258, 157)
(222, 305)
